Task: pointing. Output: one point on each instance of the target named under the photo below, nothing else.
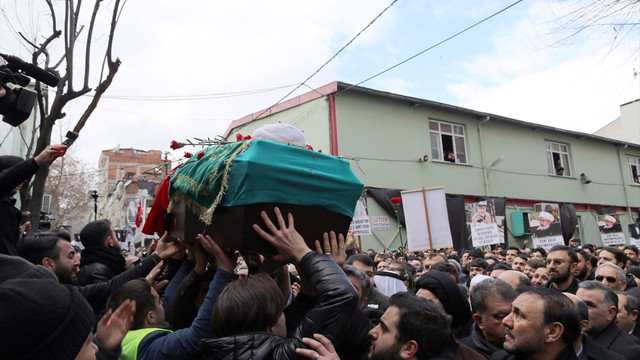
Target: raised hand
(322, 348)
(285, 238)
(114, 325)
(333, 247)
(225, 261)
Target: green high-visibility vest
(132, 340)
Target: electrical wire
(328, 61)
(431, 47)
(193, 97)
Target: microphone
(15, 63)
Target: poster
(484, 225)
(610, 230)
(360, 223)
(422, 231)
(634, 233)
(380, 223)
(545, 227)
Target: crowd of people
(196, 300)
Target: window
(634, 168)
(447, 142)
(558, 159)
(46, 203)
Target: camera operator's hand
(50, 153)
(2, 92)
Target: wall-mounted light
(496, 161)
(585, 179)
(424, 158)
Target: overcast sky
(510, 65)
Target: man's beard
(66, 277)
(390, 353)
(583, 273)
(559, 278)
(525, 348)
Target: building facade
(129, 179)
(400, 142)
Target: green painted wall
(383, 139)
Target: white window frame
(563, 156)
(46, 203)
(457, 135)
(633, 162)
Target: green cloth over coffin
(263, 171)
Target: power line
(328, 61)
(432, 46)
(193, 97)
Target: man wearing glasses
(561, 263)
(612, 276)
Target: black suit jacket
(616, 340)
(593, 351)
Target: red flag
(139, 214)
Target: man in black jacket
(543, 324)
(490, 302)
(55, 252)
(603, 308)
(587, 349)
(101, 258)
(13, 171)
(250, 326)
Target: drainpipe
(484, 168)
(624, 185)
(333, 126)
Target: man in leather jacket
(55, 252)
(250, 326)
(101, 258)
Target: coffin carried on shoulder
(222, 193)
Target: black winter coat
(336, 300)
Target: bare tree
(68, 185)
(66, 32)
(617, 21)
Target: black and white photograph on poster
(545, 227)
(360, 224)
(484, 218)
(483, 225)
(610, 230)
(634, 233)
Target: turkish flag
(139, 214)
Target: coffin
(222, 193)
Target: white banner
(415, 215)
(360, 223)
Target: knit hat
(42, 319)
(15, 267)
(449, 294)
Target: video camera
(18, 101)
